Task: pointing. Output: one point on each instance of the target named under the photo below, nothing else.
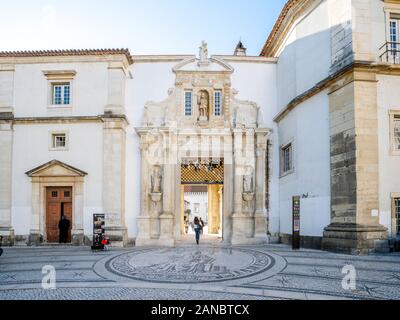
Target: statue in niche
(203, 53)
(203, 102)
(156, 180)
(248, 180)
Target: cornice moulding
(59, 74)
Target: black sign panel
(296, 223)
(99, 220)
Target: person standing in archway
(197, 229)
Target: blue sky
(143, 26)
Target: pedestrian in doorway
(197, 229)
(63, 226)
(202, 225)
(186, 225)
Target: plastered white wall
(31, 149)
(307, 127)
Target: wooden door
(59, 202)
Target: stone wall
(354, 224)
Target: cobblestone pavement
(207, 272)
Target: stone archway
(55, 174)
(169, 134)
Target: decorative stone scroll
(246, 114)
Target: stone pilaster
(144, 217)
(243, 216)
(35, 234)
(77, 231)
(168, 230)
(7, 89)
(260, 218)
(6, 145)
(116, 88)
(238, 172)
(114, 136)
(354, 227)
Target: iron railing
(390, 52)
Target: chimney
(240, 49)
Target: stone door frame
(55, 174)
(226, 202)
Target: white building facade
(316, 115)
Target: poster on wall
(296, 223)
(98, 230)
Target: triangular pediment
(193, 65)
(55, 168)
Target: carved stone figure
(203, 53)
(248, 180)
(156, 180)
(203, 102)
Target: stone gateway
(155, 141)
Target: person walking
(63, 225)
(1, 242)
(202, 225)
(186, 223)
(197, 229)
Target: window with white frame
(287, 158)
(188, 103)
(58, 140)
(218, 103)
(61, 93)
(394, 34)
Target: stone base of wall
(8, 236)
(131, 242)
(307, 242)
(77, 239)
(35, 239)
(21, 240)
(88, 241)
(355, 239)
(118, 236)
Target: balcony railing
(390, 52)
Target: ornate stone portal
(218, 129)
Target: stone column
(167, 218)
(35, 234)
(214, 199)
(260, 218)
(228, 188)
(114, 134)
(77, 228)
(238, 172)
(6, 145)
(242, 220)
(354, 226)
(144, 218)
(116, 88)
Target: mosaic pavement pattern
(207, 272)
